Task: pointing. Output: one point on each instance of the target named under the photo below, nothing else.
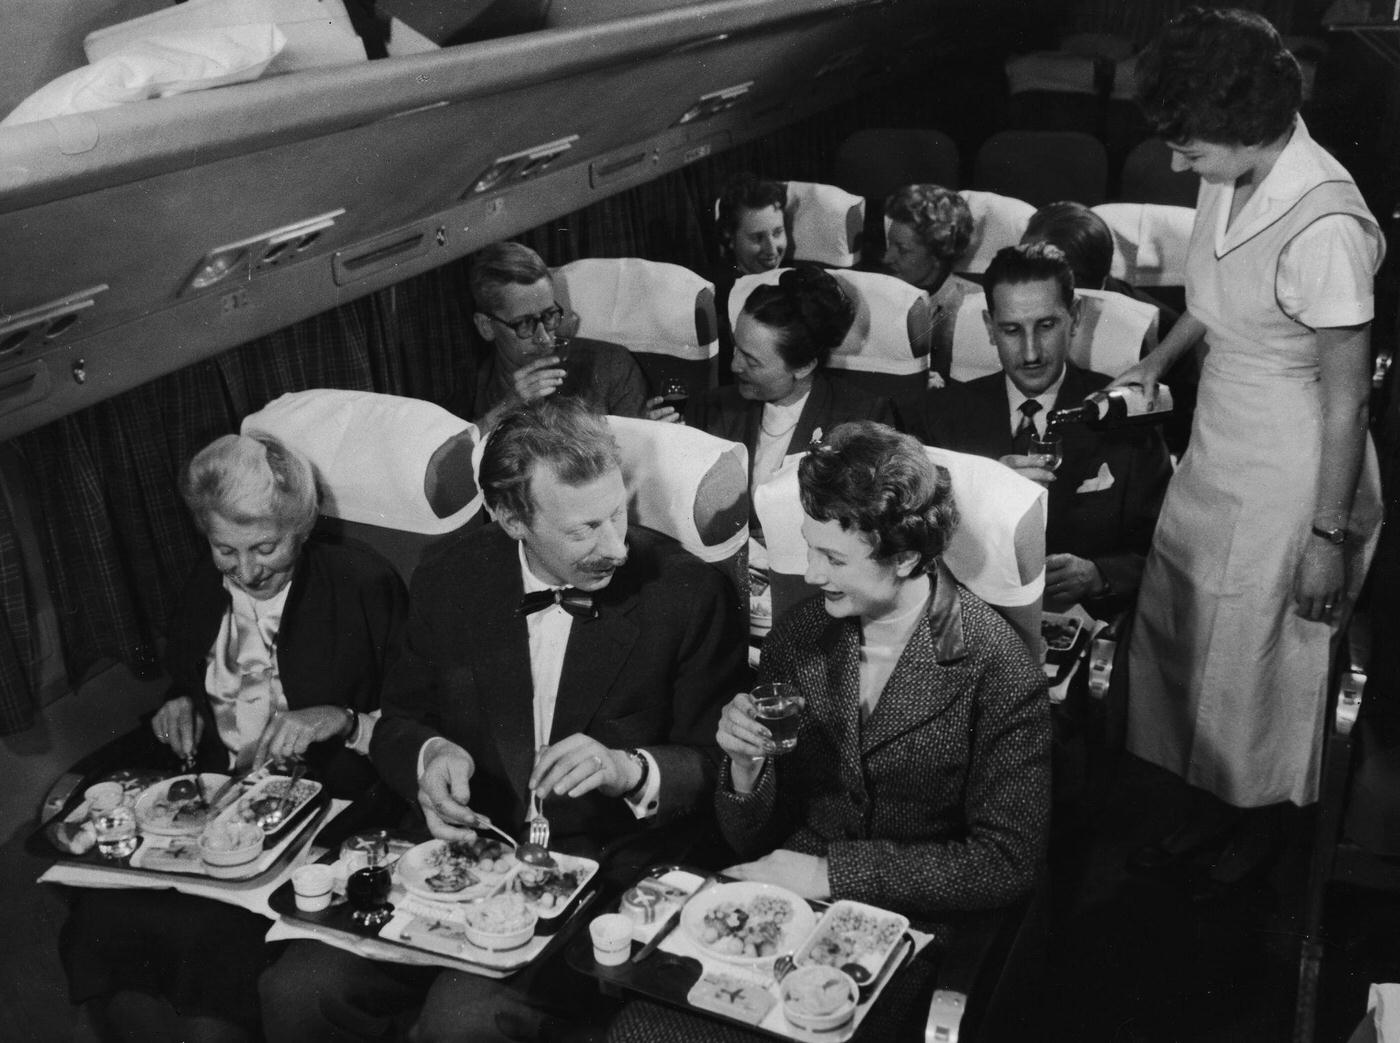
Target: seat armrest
(960, 967)
(1351, 689)
(945, 1016)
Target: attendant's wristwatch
(1335, 536)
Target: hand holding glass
(775, 707)
(1051, 446)
(675, 393)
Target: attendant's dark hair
(502, 264)
(939, 216)
(561, 432)
(1082, 235)
(809, 310)
(872, 480)
(1029, 262)
(1221, 76)
(746, 192)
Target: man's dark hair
(502, 264)
(1221, 76)
(1082, 235)
(560, 432)
(1029, 262)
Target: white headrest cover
(1151, 240)
(646, 306)
(825, 221)
(997, 221)
(992, 499)
(370, 452)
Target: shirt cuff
(646, 803)
(429, 746)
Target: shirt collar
(1015, 396)
(528, 579)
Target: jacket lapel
(913, 695)
(817, 406)
(597, 649)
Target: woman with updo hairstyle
(920, 782)
(930, 228)
(1270, 520)
(782, 397)
(276, 653)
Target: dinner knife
(233, 780)
(671, 921)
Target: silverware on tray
(671, 921)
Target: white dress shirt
(1015, 396)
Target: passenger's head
(1082, 235)
(878, 513)
(1216, 82)
(787, 331)
(1031, 313)
(254, 499)
(930, 227)
(514, 298)
(552, 476)
(751, 223)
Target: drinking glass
(675, 393)
(116, 831)
(368, 890)
(1051, 446)
(776, 705)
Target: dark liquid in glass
(676, 401)
(368, 891)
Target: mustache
(602, 564)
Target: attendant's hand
(747, 742)
(445, 788)
(288, 735)
(1069, 580)
(577, 765)
(805, 875)
(658, 410)
(1146, 374)
(1320, 583)
(1032, 467)
(178, 726)
(538, 379)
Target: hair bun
(820, 302)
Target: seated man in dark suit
(1105, 495)
(529, 357)
(553, 630)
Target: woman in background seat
(752, 231)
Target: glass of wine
(675, 393)
(1051, 446)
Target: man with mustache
(552, 650)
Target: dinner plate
(554, 898)
(747, 923)
(160, 816)
(854, 933)
(268, 793)
(458, 877)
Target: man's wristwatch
(1335, 536)
(352, 724)
(645, 765)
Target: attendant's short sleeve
(1326, 275)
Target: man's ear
(991, 326)
(1076, 310)
(511, 523)
(483, 326)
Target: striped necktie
(1021, 440)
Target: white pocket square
(1097, 484)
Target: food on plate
(751, 929)
(182, 789)
(732, 995)
(1059, 633)
(818, 998)
(500, 914)
(272, 794)
(552, 890)
(164, 810)
(851, 933)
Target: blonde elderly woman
(276, 652)
(929, 229)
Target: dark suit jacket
(340, 630)
(603, 375)
(1111, 527)
(652, 670)
(941, 800)
(727, 414)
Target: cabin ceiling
(141, 239)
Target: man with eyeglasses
(531, 355)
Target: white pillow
(157, 66)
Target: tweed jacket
(940, 801)
(604, 375)
(652, 670)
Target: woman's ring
(598, 761)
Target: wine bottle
(1115, 407)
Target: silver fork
(539, 825)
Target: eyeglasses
(526, 325)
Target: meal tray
(674, 968)
(426, 927)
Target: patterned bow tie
(575, 602)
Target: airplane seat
(1043, 166)
(1113, 332)
(887, 349)
(664, 314)
(1108, 46)
(1054, 91)
(1125, 126)
(693, 487)
(1150, 241)
(997, 221)
(997, 550)
(1148, 177)
(394, 472)
(826, 224)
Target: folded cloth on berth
(155, 67)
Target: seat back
(997, 550)
(1148, 177)
(826, 223)
(875, 162)
(997, 221)
(1054, 90)
(692, 487)
(1113, 332)
(1108, 46)
(663, 314)
(1150, 241)
(1043, 166)
(394, 472)
(887, 350)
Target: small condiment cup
(313, 885)
(104, 796)
(612, 939)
